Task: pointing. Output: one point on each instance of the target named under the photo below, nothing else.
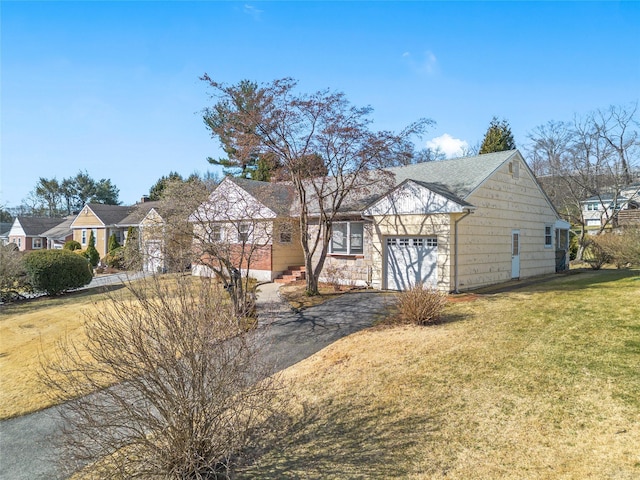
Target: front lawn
(541, 382)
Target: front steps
(292, 274)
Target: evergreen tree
(113, 243)
(91, 253)
(498, 137)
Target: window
(284, 231)
(347, 238)
(243, 232)
(84, 236)
(36, 243)
(216, 233)
(548, 236)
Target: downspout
(467, 211)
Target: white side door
(411, 260)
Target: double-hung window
(548, 236)
(347, 238)
(36, 243)
(84, 236)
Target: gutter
(467, 211)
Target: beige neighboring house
(144, 217)
(454, 225)
(103, 221)
(28, 233)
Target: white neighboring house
(608, 210)
(27, 233)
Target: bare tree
(293, 128)
(232, 232)
(594, 156)
(186, 390)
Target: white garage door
(411, 260)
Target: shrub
(91, 253)
(13, 277)
(595, 255)
(620, 248)
(115, 258)
(420, 306)
(188, 403)
(113, 243)
(56, 271)
(72, 245)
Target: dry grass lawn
(543, 382)
(28, 329)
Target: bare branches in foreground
(168, 385)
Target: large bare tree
(274, 120)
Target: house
(146, 219)
(4, 232)
(454, 225)
(60, 234)
(609, 210)
(255, 220)
(103, 221)
(27, 233)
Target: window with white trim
(36, 243)
(84, 236)
(548, 236)
(347, 238)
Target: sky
(113, 87)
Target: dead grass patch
(541, 382)
(31, 330)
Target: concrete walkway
(26, 448)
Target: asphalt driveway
(26, 449)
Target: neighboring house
(4, 232)
(145, 218)
(60, 234)
(28, 232)
(454, 224)
(103, 220)
(609, 211)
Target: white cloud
(451, 147)
(425, 64)
(252, 11)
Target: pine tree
(91, 252)
(498, 137)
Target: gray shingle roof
(455, 179)
(278, 197)
(36, 226)
(137, 213)
(110, 214)
(460, 176)
(61, 230)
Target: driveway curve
(26, 449)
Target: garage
(411, 260)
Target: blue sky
(113, 87)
